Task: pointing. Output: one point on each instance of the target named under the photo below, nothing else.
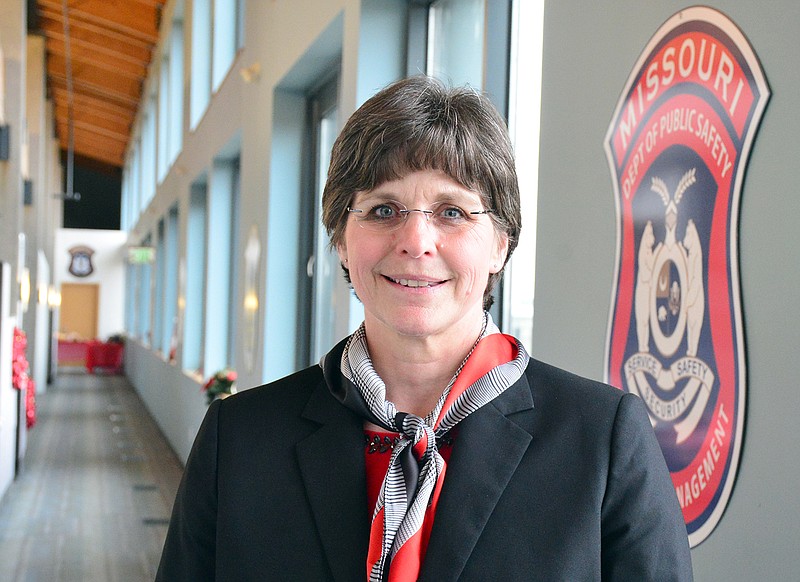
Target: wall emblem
(677, 148)
(80, 264)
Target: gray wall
(589, 50)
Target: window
(131, 192)
(524, 108)
(131, 287)
(221, 259)
(456, 41)
(217, 33)
(240, 10)
(194, 292)
(329, 313)
(323, 267)
(233, 332)
(466, 42)
(175, 82)
(170, 286)
(163, 116)
(136, 182)
(226, 22)
(170, 98)
(148, 152)
(158, 292)
(144, 298)
(201, 60)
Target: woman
(427, 445)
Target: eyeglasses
(390, 215)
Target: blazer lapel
(488, 449)
(333, 469)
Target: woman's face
(421, 280)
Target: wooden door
(79, 307)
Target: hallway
(93, 499)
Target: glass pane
(193, 289)
(200, 91)
(524, 109)
(456, 41)
(326, 269)
(225, 22)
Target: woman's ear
(498, 258)
(341, 249)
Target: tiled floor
(94, 496)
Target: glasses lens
(451, 218)
(381, 217)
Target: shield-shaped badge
(80, 264)
(677, 148)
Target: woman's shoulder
(565, 399)
(282, 397)
(551, 382)
(570, 408)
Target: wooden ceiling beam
(80, 86)
(84, 64)
(110, 114)
(51, 24)
(56, 44)
(128, 18)
(106, 134)
(117, 124)
(98, 152)
(88, 141)
(52, 20)
(98, 104)
(108, 91)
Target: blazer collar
(333, 471)
(488, 449)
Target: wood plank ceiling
(111, 44)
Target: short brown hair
(417, 124)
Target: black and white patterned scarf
(415, 465)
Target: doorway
(79, 309)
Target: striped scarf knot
(413, 481)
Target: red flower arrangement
(220, 385)
(19, 375)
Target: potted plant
(220, 385)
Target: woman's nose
(417, 235)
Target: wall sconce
(25, 288)
(53, 297)
(251, 73)
(251, 302)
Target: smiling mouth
(414, 282)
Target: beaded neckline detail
(382, 443)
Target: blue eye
(450, 213)
(383, 212)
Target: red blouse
(377, 453)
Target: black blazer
(559, 478)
